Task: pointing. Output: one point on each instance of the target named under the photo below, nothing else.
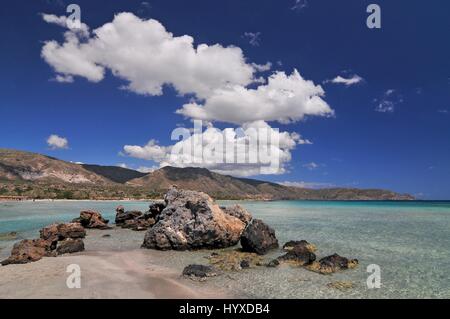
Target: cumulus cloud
(147, 56)
(354, 79)
(240, 152)
(221, 84)
(388, 101)
(57, 142)
(285, 98)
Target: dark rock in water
(299, 255)
(273, 263)
(333, 263)
(93, 219)
(55, 232)
(122, 217)
(239, 212)
(302, 244)
(258, 238)
(192, 220)
(69, 246)
(28, 250)
(106, 235)
(199, 271)
(120, 209)
(245, 264)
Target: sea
(403, 248)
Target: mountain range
(32, 175)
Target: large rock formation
(258, 238)
(134, 220)
(192, 220)
(69, 246)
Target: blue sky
(404, 65)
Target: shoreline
(112, 267)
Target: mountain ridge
(35, 175)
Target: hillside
(33, 175)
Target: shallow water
(410, 241)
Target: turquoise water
(410, 241)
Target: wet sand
(111, 267)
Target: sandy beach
(111, 267)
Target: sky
(350, 106)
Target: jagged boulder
(155, 209)
(29, 250)
(302, 244)
(55, 232)
(138, 224)
(69, 246)
(239, 212)
(192, 220)
(122, 216)
(258, 238)
(92, 219)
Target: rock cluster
(55, 239)
(134, 220)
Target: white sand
(110, 268)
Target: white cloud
(443, 111)
(145, 169)
(388, 101)
(144, 54)
(63, 78)
(311, 166)
(222, 84)
(354, 79)
(56, 142)
(213, 155)
(314, 185)
(122, 165)
(254, 38)
(285, 98)
(83, 31)
(299, 5)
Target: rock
(120, 209)
(138, 224)
(302, 243)
(239, 212)
(331, 264)
(273, 263)
(93, 219)
(192, 220)
(69, 246)
(299, 256)
(55, 232)
(106, 236)
(28, 250)
(155, 209)
(234, 260)
(199, 271)
(258, 238)
(122, 216)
